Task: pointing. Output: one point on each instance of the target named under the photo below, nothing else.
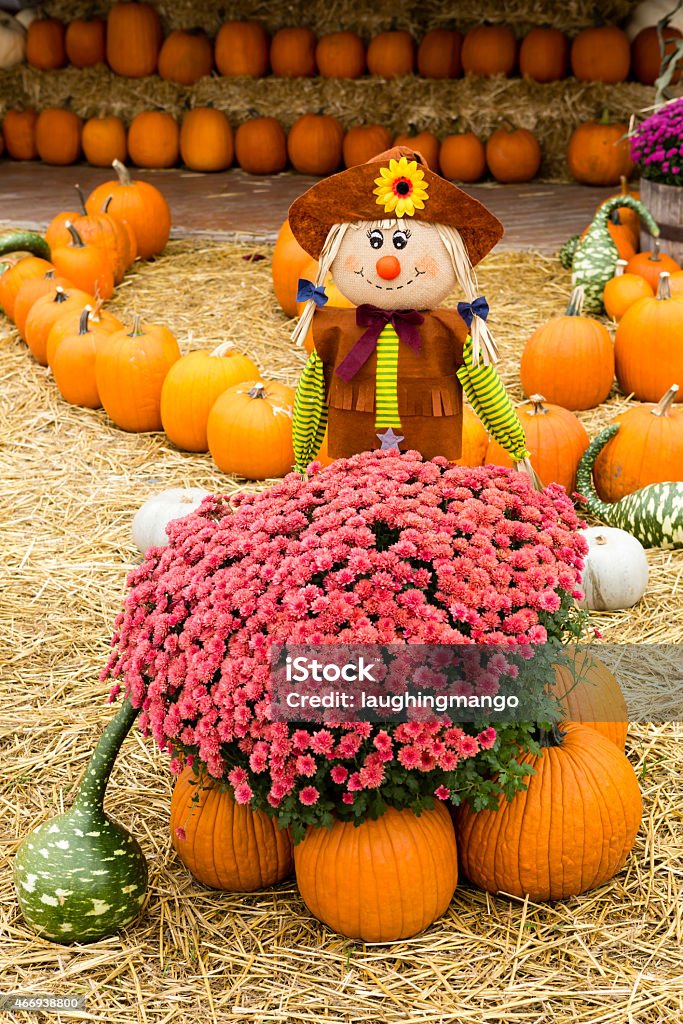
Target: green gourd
(566, 253)
(81, 876)
(24, 241)
(596, 254)
(653, 514)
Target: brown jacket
(429, 393)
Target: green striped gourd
(653, 514)
(81, 876)
(596, 254)
(24, 241)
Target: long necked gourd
(653, 514)
(81, 876)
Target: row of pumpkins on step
(599, 54)
(203, 400)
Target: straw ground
(71, 484)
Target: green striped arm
(310, 413)
(488, 398)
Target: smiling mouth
(387, 287)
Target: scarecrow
(397, 239)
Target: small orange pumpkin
(340, 55)
(99, 322)
(676, 284)
(628, 218)
(261, 146)
(206, 142)
(647, 347)
(569, 359)
(73, 362)
(19, 133)
(647, 57)
(555, 438)
(314, 144)
(623, 290)
(591, 695)
(130, 368)
(85, 42)
(463, 157)
(424, 142)
(404, 869)
(489, 50)
(139, 204)
(134, 38)
(439, 54)
(647, 449)
(224, 844)
(45, 312)
(191, 387)
(649, 265)
(241, 48)
(112, 235)
(601, 54)
(598, 153)
(475, 440)
(104, 140)
(364, 141)
(513, 155)
(58, 136)
(289, 259)
(544, 55)
(154, 139)
(86, 264)
(30, 291)
(45, 46)
(185, 56)
(249, 430)
(27, 269)
(292, 53)
(391, 54)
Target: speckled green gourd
(653, 514)
(566, 253)
(596, 253)
(81, 876)
(24, 241)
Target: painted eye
(400, 239)
(376, 238)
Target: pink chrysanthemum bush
(382, 548)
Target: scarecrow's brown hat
(354, 195)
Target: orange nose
(388, 267)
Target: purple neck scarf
(404, 321)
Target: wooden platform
(538, 216)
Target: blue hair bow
(306, 290)
(468, 310)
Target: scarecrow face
(394, 265)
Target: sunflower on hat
(401, 187)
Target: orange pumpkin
(100, 322)
(206, 142)
(58, 136)
(57, 232)
(676, 284)
(137, 203)
(134, 38)
(73, 363)
(340, 55)
(130, 368)
(224, 844)
(314, 144)
(382, 880)
(598, 153)
(649, 265)
(438, 55)
(601, 54)
(27, 269)
(629, 219)
(591, 695)
(186, 56)
(45, 312)
(364, 141)
(463, 157)
(513, 155)
(153, 139)
(292, 53)
(191, 387)
(104, 140)
(242, 49)
(569, 831)
(623, 290)
(647, 449)
(88, 265)
(249, 430)
(489, 50)
(33, 289)
(289, 260)
(261, 146)
(335, 299)
(646, 55)
(85, 42)
(544, 55)
(569, 359)
(45, 47)
(555, 438)
(426, 143)
(112, 235)
(475, 440)
(19, 133)
(647, 345)
(391, 54)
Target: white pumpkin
(12, 41)
(616, 570)
(152, 518)
(650, 12)
(29, 14)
